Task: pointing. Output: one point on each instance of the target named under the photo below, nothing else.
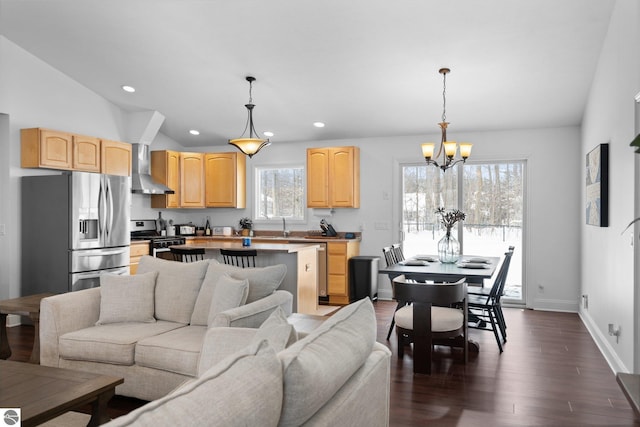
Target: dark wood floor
(550, 374)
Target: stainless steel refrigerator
(75, 226)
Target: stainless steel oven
(158, 245)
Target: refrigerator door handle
(109, 201)
(101, 212)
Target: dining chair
(187, 254)
(432, 314)
(239, 257)
(396, 249)
(390, 259)
(486, 307)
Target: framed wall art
(598, 186)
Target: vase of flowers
(448, 246)
(245, 226)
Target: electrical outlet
(540, 288)
(585, 301)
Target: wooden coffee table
(23, 306)
(43, 392)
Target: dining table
(475, 268)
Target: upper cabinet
(165, 169)
(115, 157)
(52, 149)
(192, 180)
(43, 148)
(213, 180)
(225, 180)
(86, 153)
(333, 177)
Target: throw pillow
(263, 281)
(324, 360)
(248, 392)
(229, 293)
(127, 298)
(177, 286)
(277, 330)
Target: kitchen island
(301, 260)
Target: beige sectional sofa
(338, 375)
(209, 344)
(150, 328)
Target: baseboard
(569, 306)
(614, 362)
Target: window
(280, 193)
(491, 195)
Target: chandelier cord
(444, 97)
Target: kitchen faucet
(285, 233)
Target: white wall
(607, 255)
(41, 96)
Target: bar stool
(239, 257)
(187, 254)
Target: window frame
(257, 194)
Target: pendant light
(252, 144)
(447, 148)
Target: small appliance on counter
(185, 230)
(327, 229)
(221, 231)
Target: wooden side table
(23, 306)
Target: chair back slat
(239, 257)
(501, 278)
(389, 257)
(187, 254)
(396, 250)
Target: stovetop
(146, 230)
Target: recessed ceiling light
(318, 124)
(129, 89)
(194, 132)
(268, 134)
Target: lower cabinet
(338, 254)
(136, 251)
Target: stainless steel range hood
(141, 181)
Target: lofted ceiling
(366, 68)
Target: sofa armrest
(252, 315)
(60, 314)
(219, 343)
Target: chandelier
(447, 148)
(252, 144)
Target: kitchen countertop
(237, 244)
(276, 238)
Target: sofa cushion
(174, 351)
(228, 293)
(222, 342)
(277, 330)
(262, 282)
(127, 298)
(242, 390)
(324, 360)
(177, 286)
(113, 343)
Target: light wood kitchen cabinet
(165, 169)
(115, 158)
(44, 148)
(333, 177)
(52, 149)
(86, 153)
(225, 180)
(338, 255)
(136, 251)
(192, 180)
